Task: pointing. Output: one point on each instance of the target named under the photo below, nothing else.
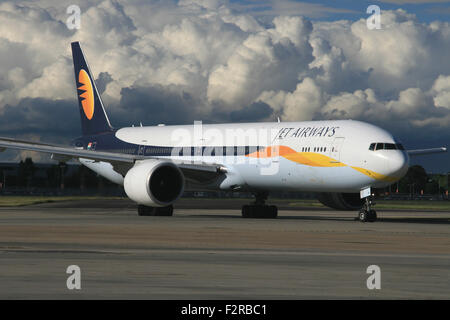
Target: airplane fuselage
(322, 156)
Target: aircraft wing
(67, 152)
(197, 171)
(419, 152)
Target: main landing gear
(155, 211)
(367, 214)
(259, 209)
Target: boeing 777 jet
(341, 160)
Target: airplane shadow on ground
(416, 220)
(384, 219)
(339, 219)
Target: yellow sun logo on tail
(87, 96)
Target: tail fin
(93, 116)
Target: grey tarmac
(213, 253)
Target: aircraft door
(335, 150)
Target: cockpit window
(389, 146)
(386, 146)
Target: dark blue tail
(93, 116)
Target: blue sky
(426, 11)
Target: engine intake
(154, 183)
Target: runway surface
(212, 253)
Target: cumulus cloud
(301, 104)
(271, 59)
(441, 92)
(175, 62)
(255, 111)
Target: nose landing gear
(367, 214)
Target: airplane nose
(398, 163)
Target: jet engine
(154, 183)
(341, 201)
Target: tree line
(26, 174)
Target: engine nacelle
(341, 201)
(154, 183)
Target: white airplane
(341, 160)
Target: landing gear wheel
(372, 216)
(145, 210)
(367, 214)
(272, 212)
(155, 211)
(259, 211)
(362, 216)
(246, 211)
(164, 211)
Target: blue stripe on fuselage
(108, 142)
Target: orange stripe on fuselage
(314, 160)
(306, 158)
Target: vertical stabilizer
(93, 116)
